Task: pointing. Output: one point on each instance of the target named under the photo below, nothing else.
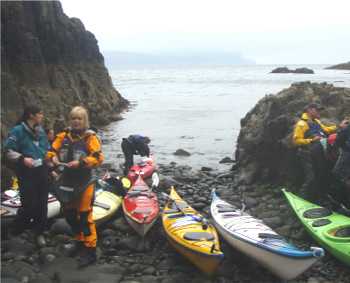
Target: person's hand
(344, 124)
(54, 175)
(55, 160)
(317, 138)
(28, 162)
(73, 164)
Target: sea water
(196, 108)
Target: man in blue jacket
(134, 144)
(26, 147)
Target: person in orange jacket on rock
(78, 150)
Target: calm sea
(196, 108)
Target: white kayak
(105, 205)
(255, 239)
(11, 203)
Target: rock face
(49, 59)
(285, 70)
(264, 150)
(343, 66)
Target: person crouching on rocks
(134, 144)
(78, 150)
(26, 147)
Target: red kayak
(146, 167)
(140, 206)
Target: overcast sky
(267, 31)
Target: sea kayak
(11, 202)
(105, 205)
(145, 168)
(140, 206)
(191, 235)
(331, 230)
(258, 241)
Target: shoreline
(122, 257)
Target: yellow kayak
(191, 235)
(105, 205)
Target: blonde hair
(81, 112)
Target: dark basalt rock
(303, 71)
(226, 160)
(264, 149)
(343, 66)
(281, 70)
(285, 70)
(49, 59)
(182, 152)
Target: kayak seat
(343, 232)
(230, 215)
(317, 212)
(270, 236)
(225, 206)
(228, 209)
(102, 205)
(142, 210)
(198, 236)
(177, 215)
(179, 205)
(170, 211)
(321, 222)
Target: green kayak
(331, 230)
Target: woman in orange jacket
(78, 149)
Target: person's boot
(74, 248)
(344, 210)
(87, 258)
(40, 240)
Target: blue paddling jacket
(26, 142)
(139, 144)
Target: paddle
(203, 220)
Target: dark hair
(147, 140)
(29, 110)
(47, 130)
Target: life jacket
(329, 147)
(331, 139)
(314, 130)
(75, 150)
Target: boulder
(264, 150)
(226, 160)
(182, 152)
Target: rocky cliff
(264, 151)
(50, 60)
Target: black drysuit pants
(128, 151)
(33, 186)
(317, 171)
